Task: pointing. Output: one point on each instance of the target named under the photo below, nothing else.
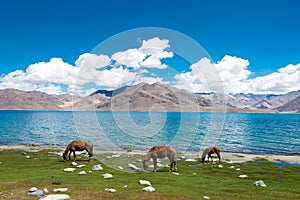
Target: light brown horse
(209, 151)
(160, 152)
(78, 146)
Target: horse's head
(65, 156)
(145, 164)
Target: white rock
(125, 186)
(60, 190)
(27, 157)
(55, 197)
(243, 176)
(110, 189)
(80, 166)
(259, 183)
(238, 169)
(97, 168)
(116, 156)
(175, 173)
(205, 197)
(190, 160)
(194, 173)
(144, 182)
(46, 190)
(232, 167)
(69, 169)
(107, 175)
(82, 172)
(74, 164)
(220, 166)
(120, 167)
(33, 189)
(149, 189)
(132, 166)
(36, 193)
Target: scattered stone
(220, 166)
(36, 193)
(80, 166)
(144, 182)
(55, 197)
(120, 167)
(33, 189)
(149, 189)
(231, 167)
(27, 157)
(190, 160)
(97, 168)
(69, 169)
(243, 176)
(116, 156)
(82, 173)
(205, 197)
(46, 190)
(175, 173)
(110, 189)
(194, 173)
(74, 164)
(132, 166)
(238, 169)
(107, 175)
(125, 186)
(259, 183)
(60, 190)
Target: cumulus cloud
(227, 75)
(42, 76)
(286, 79)
(233, 72)
(149, 55)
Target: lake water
(187, 132)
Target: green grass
(18, 174)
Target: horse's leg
(175, 167)
(74, 155)
(70, 154)
(209, 156)
(155, 163)
(171, 165)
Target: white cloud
(227, 75)
(149, 55)
(234, 75)
(286, 79)
(42, 76)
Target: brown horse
(78, 146)
(209, 151)
(160, 152)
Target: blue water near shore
(191, 132)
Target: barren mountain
(150, 97)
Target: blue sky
(264, 33)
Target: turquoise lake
(187, 132)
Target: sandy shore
(226, 156)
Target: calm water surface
(233, 132)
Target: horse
(160, 152)
(211, 150)
(78, 146)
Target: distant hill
(154, 97)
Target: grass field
(20, 171)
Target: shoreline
(226, 156)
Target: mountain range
(150, 97)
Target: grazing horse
(160, 152)
(78, 146)
(209, 151)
